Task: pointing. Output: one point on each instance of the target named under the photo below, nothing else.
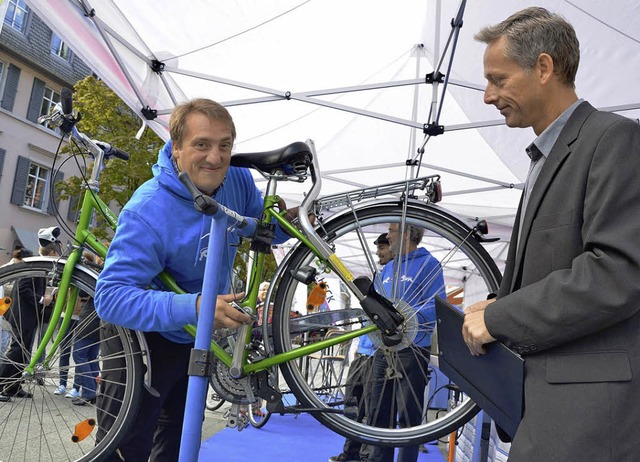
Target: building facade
(35, 64)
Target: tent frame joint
(433, 77)
(157, 66)
(149, 113)
(433, 129)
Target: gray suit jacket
(570, 299)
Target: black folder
(494, 380)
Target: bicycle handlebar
(111, 151)
(66, 102)
(209, 206)
(62, 116)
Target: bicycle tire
(259, 415)
(44, 426)
(451, 242)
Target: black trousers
(398, 401)
(157, 430)
(24, 317)
(356, 391)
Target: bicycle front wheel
(61, 411)
(381, 394)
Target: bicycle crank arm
(236, 419)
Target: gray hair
(533, 31)
(415, 234)
(48, 250)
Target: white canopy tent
(351, 76)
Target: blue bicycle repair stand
(198, 383)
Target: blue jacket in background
(420, 281)
(160, 230)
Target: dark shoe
(4, 398)
(345, 458)
(22, 394)
(83, 401)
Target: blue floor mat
(285, 438)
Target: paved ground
(214, 422)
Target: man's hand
(226, 315)
(291, 214)
(474, 330)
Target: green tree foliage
(106, 118)
(240, 264)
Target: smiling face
(516, 92)
(205, 151)
(383, 251)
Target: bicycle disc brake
(381, 311)
(408, 329)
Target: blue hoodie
(159, 229)
(421, 280)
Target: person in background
(65, 357)
(159, 230)
(397, 397)
(25, 315)
(65, 353)
(569, 301)
(86, 347)
(358, 379)
(5, 291)
(262, 295)
(383, 251)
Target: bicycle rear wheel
(46, 426)
(398, 380)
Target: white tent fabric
(344, 74)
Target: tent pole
(432, 127)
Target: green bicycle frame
(85, 238)
(270, 213)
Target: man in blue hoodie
(160, 230)
(359, 377)
(399, 381)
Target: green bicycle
(310, 354)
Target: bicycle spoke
(400, 380)
(44, 426)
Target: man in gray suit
(570, 298)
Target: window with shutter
(20, 180)
(53, 201)
(73, 214)
(32, 186)
(35, 103)
(3, 152)
(17, 15)
(10, 87)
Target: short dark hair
(533, 31)
(382, 239)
